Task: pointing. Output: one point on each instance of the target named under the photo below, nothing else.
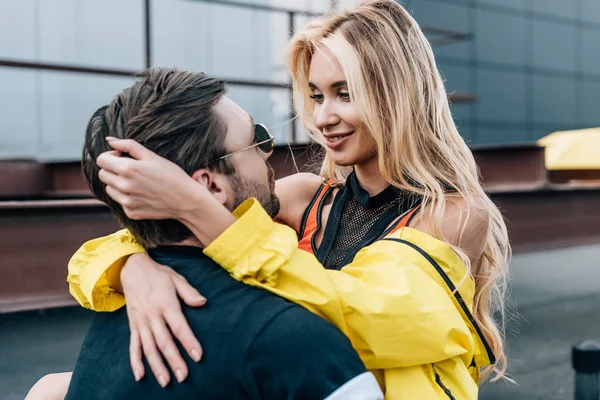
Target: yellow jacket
(405, 302)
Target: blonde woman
(415, 253)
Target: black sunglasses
(262, 139)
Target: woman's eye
(344, 95)
(317, 97)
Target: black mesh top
(357, 220)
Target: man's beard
(265, 194)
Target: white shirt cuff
(362, 387)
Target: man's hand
(155, 316)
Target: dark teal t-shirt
(256, 345)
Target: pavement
(556, 295)
(557, 298)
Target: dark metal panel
(37, 238)
(36, 243)
(23, 179)
(546, 219)
(510, 168)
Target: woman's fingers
(135, 354)
(187, 292)
(114, 180)
(120, 197)
(153, 356)
(184, 334)
(116, 164)
(131, 147)
(132, 206)
(177, 321)
(166, 345)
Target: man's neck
(192, 242)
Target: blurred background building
(532, 65)
(516, 71)
(46, 105)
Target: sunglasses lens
(262, 136)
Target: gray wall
(534, 65)
(43, 114)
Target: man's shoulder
(180, 255)
(191, 263)
(234, 304)
(299, 355)
(297, 319)
(295, 329)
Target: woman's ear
(215, 183)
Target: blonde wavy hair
(394, 81)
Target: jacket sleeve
(95, 268)
(394, 313)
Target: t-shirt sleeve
(299, 355)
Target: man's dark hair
(171, 113)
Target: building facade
(533, 65)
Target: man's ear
(214, 182)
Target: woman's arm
(389, 301)
(386, 301)
(94, 270)
(153, 293)
(148, 186)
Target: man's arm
(301, 356)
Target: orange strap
(311, 221)
(404, 221)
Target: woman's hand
(155, 316)
(146, 185)
(150, 187)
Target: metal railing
(441, 36)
